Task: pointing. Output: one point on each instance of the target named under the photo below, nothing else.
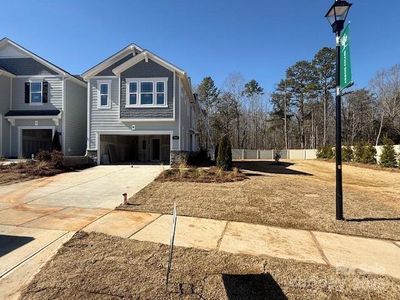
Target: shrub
(182, 169)
(56, 145)
(388, 155)
(54, 158)
(57, 159)
(224, 159)
(347, 153)
(325, 152)
(43, 155)
(198, 158)
(277, 156)
(369, 154)
(358, 152)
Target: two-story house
(140, 108)
(37, 101)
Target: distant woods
(300, 112)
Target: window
(146, 92)
(36, 92)
(104, 94)
(132, 93)
(160, 93)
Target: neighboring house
(37, 101)
(140, 108)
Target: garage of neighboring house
(114, 149)
(35, 140)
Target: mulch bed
(98, 266)
(204, 175)
(22, 171)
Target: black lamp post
(336, 16)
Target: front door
(155, 149)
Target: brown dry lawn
(291, 195)
(98, 266)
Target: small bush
(369, 154)
(347, 153)
(57, 159)
(358, 152)
(325, 152)
(199, 158)
(54, 158)
(2, 158)
(388, 155)
(43, 155)
(224, 159)
(277, 155)
(182, 169)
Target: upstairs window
(132, 93)
(146, 92)
(36, 92)
(104, 94)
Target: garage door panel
(34, 140)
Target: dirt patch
(98, 266)
(205, 175)
(22, 171)
(31, 169)
(290, 195)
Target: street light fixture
(336, 16)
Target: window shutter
(45, 91)
(27, 91)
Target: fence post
(242, 154)
(272, 154)
(258, 154)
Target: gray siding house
(141, 108)
(37, 101)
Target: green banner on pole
(345, 63)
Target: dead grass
(299, 195)
(28, 170)
(204, 175)
(98, 266)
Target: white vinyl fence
(291, 154)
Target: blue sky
(259, 39)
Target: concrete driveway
(38, 216)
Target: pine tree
(56, 145)
(358, 152)
(347, 153)
(388, 155)
(224, 159)
(369, 154)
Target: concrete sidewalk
(348, 253)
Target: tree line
(300, 112)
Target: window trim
(138, 93)
(99, 94)
(41, 92)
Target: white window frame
(128, 93)
(108, 83)
(41, 92)
(154, 81)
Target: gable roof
(146, 54)
(58, 70)
(6, 73)
(111, 60)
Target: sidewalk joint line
(320, 250)
(2, 275)
(222, 235)
(146, 225)
(398, 245)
